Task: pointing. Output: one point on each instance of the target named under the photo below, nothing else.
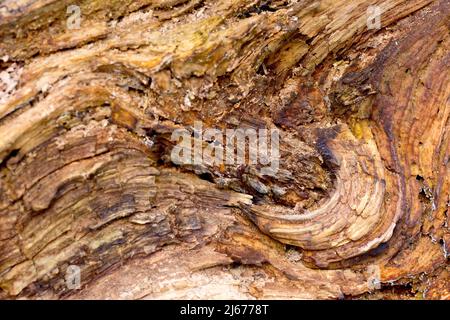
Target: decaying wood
(86, 176)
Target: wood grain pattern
(357, 209)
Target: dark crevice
(264, 6)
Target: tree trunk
(96, 98)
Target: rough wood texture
(86, 177)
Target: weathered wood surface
(86, 177)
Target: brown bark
(87, 177)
